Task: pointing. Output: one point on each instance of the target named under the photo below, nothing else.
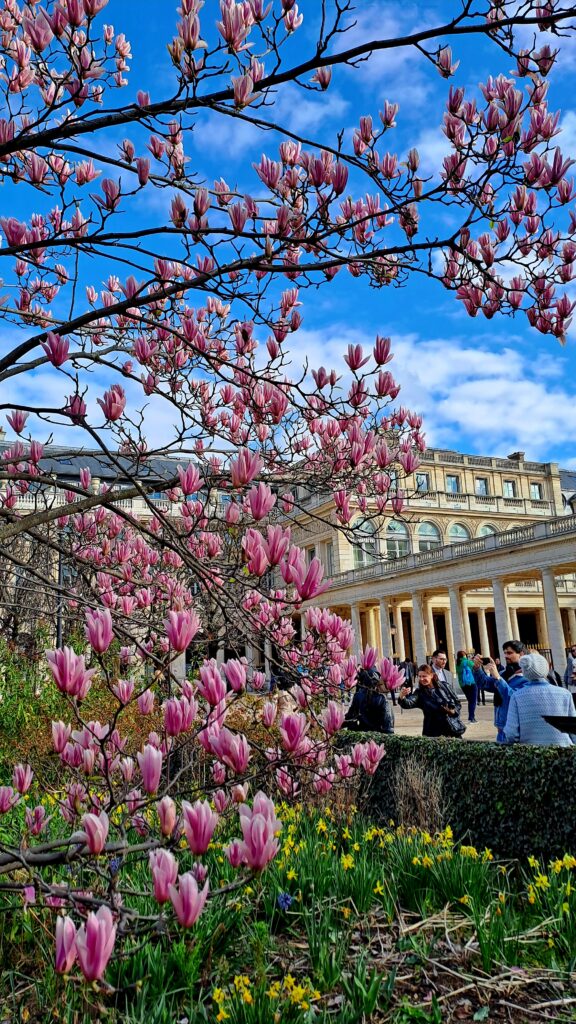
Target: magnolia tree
(135, 288)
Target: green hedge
(515, 800)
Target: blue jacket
(525, 722)
(504, 689)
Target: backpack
(467, 676)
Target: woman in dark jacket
(369, 710)
(433, 700)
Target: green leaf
(482, 1013)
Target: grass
(351, 922)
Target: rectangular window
(329, 558)
(509, 488)
(310, 554)
(482, 486)
(536, 492)
(452, 484)
(422, 482)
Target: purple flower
(284, 900)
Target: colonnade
(384, 629)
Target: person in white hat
(525, 722)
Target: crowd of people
(532, 703)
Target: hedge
(515, 800)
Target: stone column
(385, 629)
(572, 625)
(357, 627)
(514, 623)
(553, 620)
(371, 637)
(450, 645)
(466, 625)
(400, 647)
(178, 667)
(430, 631)
(249, 655)
(418, 637)
(483, 629)
(456, 623)
(503, 627)
(267, 658)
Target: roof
(64, 462)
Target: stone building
(485, 550)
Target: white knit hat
(534, 666)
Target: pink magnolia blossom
(166, 809)
(233, 750)
(373, 754)
(187, 900)
(36, 819)
(190, 479)
(369, 657)
(164, 869)
(124, 689)
(245, 467)
(260, 500)
(221, 800)
(113, 402)
(17, 420)
(269, 714)
(390, 674)
(70, 673)
(199, 821)
(98, 629)
(22, 777)
(181, 628)
(56, 348)
(293, 729)
(95, 943)
(60, 735)
(7, 799)
(259, 829)
(150, 762)
(65, 945)
(211, 686)
(332, 717)
(234, 853)
(145, 702)
(235, 673)
(95, 831)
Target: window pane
(487, 531)
(365, 544)
(329, 558)
(457, 532)
(428, 537)
(422, 482)
(509, 488)
(453, 484)
(397, 540)
(481, 485)
(536, 492)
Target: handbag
(455, 725)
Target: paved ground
(409, 723)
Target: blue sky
(482, 386)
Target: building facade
(466, 565)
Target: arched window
(397, 539)
(428, 537)
(458, 533)
(487, 531)
(365, 543)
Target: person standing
(434, 702)
(501, 683)
(369, 710)
(570, 673)
(468, 684)
(525, 722)
(438, 665)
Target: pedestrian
(369, 710)
(437, 702)
(468, 684)
(501, 683)
(538, 697)
(438, 665)
(570, 673)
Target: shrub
(515, 800)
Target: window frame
(538, 486)
(486, 483)
(512, 484)
(397, 533)
(456, 477)
(428, 541)
(458, 540)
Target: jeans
(471, 694)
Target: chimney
(517, 456)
